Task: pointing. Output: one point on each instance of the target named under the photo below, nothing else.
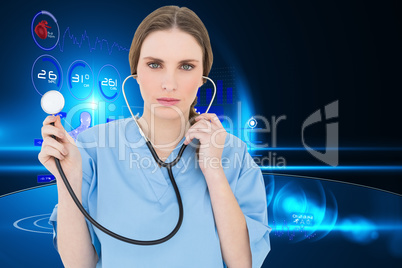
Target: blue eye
(153, 65)
(187, 67)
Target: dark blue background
(294, 57)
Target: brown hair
(166, 18)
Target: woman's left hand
(209, 131)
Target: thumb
(57, 122)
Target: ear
(201, 82)
(137, 78)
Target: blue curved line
(71, 70)
(32, 24)
(44, 12)
(109, 98)
(57, 67)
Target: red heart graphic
(41, 29)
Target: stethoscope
(52, 102)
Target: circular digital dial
(109, 82)
(45, 30)
(80, 80)
(46, 74)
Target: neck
(164, 134)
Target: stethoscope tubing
(117, 236)
(160, 162)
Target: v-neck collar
(157, 179)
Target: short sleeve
(88, 185)
(251, 196)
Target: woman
(225, 215)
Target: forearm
(230, 221)
(74, 241)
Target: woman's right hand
(63, 148)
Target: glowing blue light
(20, 148)
(292, 204)
(358, 229)
(23, 168)
(299, 198)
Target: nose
(169, 82)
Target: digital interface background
(283, 60)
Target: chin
(169, 113)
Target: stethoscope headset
(52, 102)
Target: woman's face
(170, 66)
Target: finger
(49, 119)
(202, 123)
(57, 123)
(49, 150)
(213, 118)
(55, 144)
(202, 130)
(203, 126)
(190, 135)
(201, 136)
(208, 116)
(49, 130)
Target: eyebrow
(159, 60)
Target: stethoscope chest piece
(52, 102)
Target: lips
(168, 101)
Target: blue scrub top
(125, 190)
